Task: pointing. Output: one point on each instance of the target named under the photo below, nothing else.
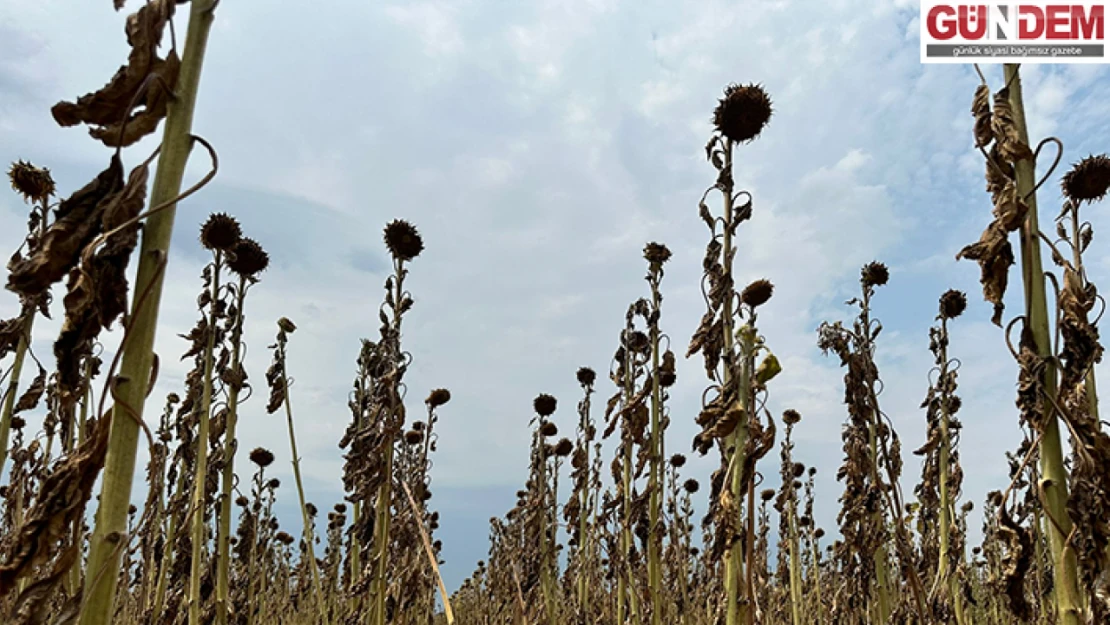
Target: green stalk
(13, 386)
(252, 556)
(946, 568)
(546, 581)
(309, 534)
(584, 540)
(73, 578)
(795, 563)
(167, 553)
(655, 504)
(385, 491)
(817, 576)
(200, 482)
(1054, 482)
(733, 612)
(626, 587)
(105, 545)
(223, 534)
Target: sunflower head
(757, 293)
(247, 258)
(403, 240)
(952, 304)
(33, 183)
(544, 405)
(262, 457)
(586, 376)
(220, 232)
(742, 113)
(874, 274)
(1088, 180)
(438, 397)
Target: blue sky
(537, 146)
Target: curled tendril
(1051, 169)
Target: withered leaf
(1009, 209)
(995, 255)
(78, 219)
(30, 398)
(1009, 144)
(110, 105)
(981, 109)
(155, 102)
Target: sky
(538, 146)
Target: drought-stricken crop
(201, 542)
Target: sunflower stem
(1054, 476)
(131, 386)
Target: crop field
(119, 504)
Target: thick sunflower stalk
(662, 376)
(580, 511)
(942, 476)
(786, 504)
(871, 505)
(278, 379)
(130, 387)
(246, 259)
(377, 430)
(730, 346)
(37, 188)
(628, 409)
(1055, 381)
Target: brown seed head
(247, 258)
(743, 113)
(242, 501)
(273, 483)
(438, 397)
(819, 533)
(678, 461)
(586, 376)
(310, 508)
(691, 486)
(341, 508)
(221, 232)
(544, 405)
(1088, 180)
(656, 254)
(286, 325)
(284, 538)
(874, 274)
(637, 342)
(33, 183)
(564, 447)
(757, 293)
(791, 417)
(403, 240)
(952, 304)
(799, 469)
(17, 422)
(412, 437)
(767, 494)
(262, 457)
(549, 429)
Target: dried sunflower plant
(203, 542)
(1056, 351)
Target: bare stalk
(1054, 476)
(138, 357)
